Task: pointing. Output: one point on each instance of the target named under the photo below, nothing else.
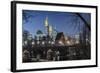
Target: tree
(85, 22)
(26, 15)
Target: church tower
(48, 27)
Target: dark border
(13, 35)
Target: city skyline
(66, 22)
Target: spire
(50, 29)
(46, 21)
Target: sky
(66, 22)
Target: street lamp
(43, 42)
(25, 42)
(77, 42)
(38, 42)
(49, 42)
(33, 43)
(52, 42)
(68, 42)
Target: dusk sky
(66, 22)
